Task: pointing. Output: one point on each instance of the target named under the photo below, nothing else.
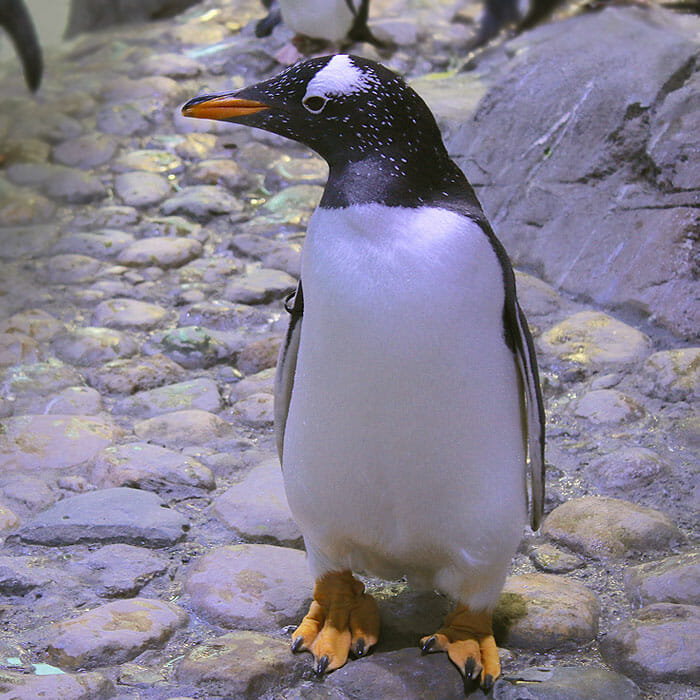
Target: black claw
(360, 648)
(488, 683)
(469, 667)
(322, 665)
(429, 644)
(296, 644)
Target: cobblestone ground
(147, 549)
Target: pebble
(660, 642)
(627, 468)
(119, 570)
(66, 686)
(194, 347)
(259, 355)
(172, 65)
(566, 683)
(151, 468)
(200, 393)
(39, 442)
(125, 119)
(221, 315)
(673, 375)
(593, 340)
(608, 406)
(91, 346)
(553, 560)
(129, 313)
(8, 520)
(35, 323)
(294, 204)
(114, 633)
(195, 146)
(40, 378)
(141, 189)
(86, 151)
(183, 428)
(162, 252)
(127, 376)
(26, 493)
(260, 382)
(260, 286)
(670, 580)
(75, 400)
(123, 515)
(256, 508)
(149, 160)
(241, 664)
(255, 411)
(225, 172)
(103, 245)
(250, 586)
(201, 202)
(17, 348)
(74, 186)
(72, 269)
(610, 528)
(544, 611)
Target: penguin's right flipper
(15, 17)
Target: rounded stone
(151, 468)
(141, 189)
(162, 252)
(72, 269)
(225, 172)
(221, 315)
(129, 313)
(256, 410)
(543, 611)
(17, 348)
(673, 375)
(251, 586)
(234, 664)
(256, 508)
(39, 442)
(201, 202)
(594, 340)
(148, 160)
(74, 186)
(610, 528)
(607, 406)
(183, 428)
(629, 467)
(172, 65)
(259, 355)
(8, 520)
(74, 400)
(66, 686)
(35, 323)
(114, 633)
(660, 643)
(90, 346)
(127, 376)
(260, 286)
(87, 151)
(552, 560)
(671, 580)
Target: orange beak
(221, 107)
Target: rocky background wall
(147, 549)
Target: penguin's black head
(345, 108)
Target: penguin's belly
(321, 19)
(404, 450)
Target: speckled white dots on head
(340, 76)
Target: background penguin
(17, 21)
(328, 20)
(407, 394)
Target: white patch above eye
(340, 76)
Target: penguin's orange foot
(342, 618)
(467, 637)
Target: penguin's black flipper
(17, 21)
(360, 31)
(274, 17)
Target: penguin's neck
(431, 179)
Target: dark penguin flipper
(287, 364)
(18, 23)
(274, 17)
(359, 30)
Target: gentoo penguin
(330, 20)
(17, 21)
(408, 411)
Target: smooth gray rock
(260, 286)
(553, 560)
(103, 244)
(87, 151)
(251, 586)
(630, 467)
(240, 664)
(141, 189)
(256, 508)
(221, 315)
(671, 580)
(19, 574)
(582, 141)
(149, 160)
(66, 686)
(632, 646)
(607, 406)
(126, 376)
(129, 313)
(90, 346)
(187, 427)
(201, 202)
(162, 252)
(122, 515)
(673, 375)
(150, 467)
(566, 683)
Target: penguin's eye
(314, 103)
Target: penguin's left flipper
(342, 618)
(467, 637)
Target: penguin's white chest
(405, 410)
(321, 19)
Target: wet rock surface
(144, 531)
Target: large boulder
(581, 152)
